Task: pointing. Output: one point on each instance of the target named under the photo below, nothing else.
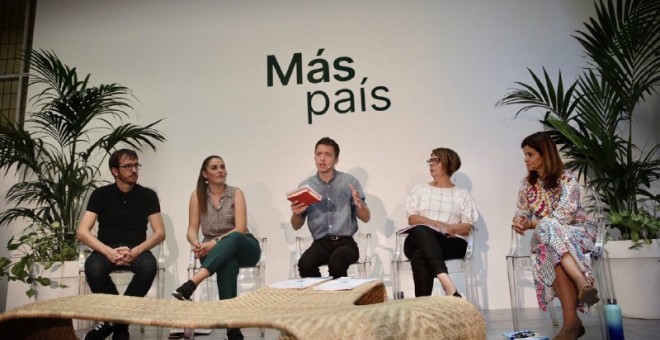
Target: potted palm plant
(57, 155)
(592, 121)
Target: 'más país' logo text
(319, 70)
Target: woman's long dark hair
(552, 164)
(202, 195)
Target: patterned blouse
(562, 202)
(219, 220)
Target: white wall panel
(201, 65)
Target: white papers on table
(299, 283)
(342, 283)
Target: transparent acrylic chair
(122, 278)
(519, 262)
(464, 265)
(363, 264)
(254, 277)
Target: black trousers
(427, 251)
(98, 269)
(338, 254)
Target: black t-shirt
(123, 216)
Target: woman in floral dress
(563, 236)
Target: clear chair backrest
(363, 241)
(454, 266)
(593, 206)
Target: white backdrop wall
(202, 66)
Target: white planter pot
(61, 274)
(636, 278)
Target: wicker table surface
(299, 314)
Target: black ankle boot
(186, 291)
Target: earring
(206, 182)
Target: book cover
(304, 194)
(407, 229)
(524, 334)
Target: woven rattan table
(299, 314)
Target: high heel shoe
(588, 295)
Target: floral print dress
(563, 227)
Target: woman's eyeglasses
(433, 161)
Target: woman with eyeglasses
(227, 245)
(443, 215)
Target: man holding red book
(333, 220)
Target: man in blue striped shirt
(333, 220)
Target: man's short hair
(113, 162)
(330, 142)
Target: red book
(304, 194)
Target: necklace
(218, 195)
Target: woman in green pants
(227, 245)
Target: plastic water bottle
(614, 320)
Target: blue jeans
(98, 269)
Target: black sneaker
(234, 334)
(101, 331)
(186, 291)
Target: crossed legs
(568, 283)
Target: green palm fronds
(58, 152)
(592, 119)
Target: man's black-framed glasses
(129, 167)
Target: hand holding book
(305, 194)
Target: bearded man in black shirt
(123, 209)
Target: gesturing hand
(356, 197)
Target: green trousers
(232, 252)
